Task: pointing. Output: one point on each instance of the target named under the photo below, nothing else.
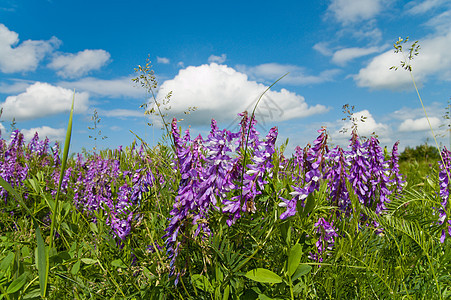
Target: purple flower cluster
(327, 234)
(445, 169)
(103, 187)
(313, 166)
(253, 179)
(373, 179)
(17, 160)
(97, 185)
(13, 167)
(213, 177)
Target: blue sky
(219, 57)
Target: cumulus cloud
(351, 11)
(343, 56)
(76, 65)
(434, 59)
(117, 87)
(365, 127)
(419, 124)
(366, 124)
(41, 100)
(23, 57)
(217, 59)
(221, 92)
(270, 72)
(163, 60)
(53, 134)
(18, 86)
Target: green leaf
(32, 294)
(118, 263)
(309, 205)
(89, 261)
(93, 227)
(263, 275)
(42, 260)
(75, 268)
(300, 271)
(294, 258)
(7, 261)
(285, 230)
(202, 282)
(226, 293)
(64, 255)
(17, 284)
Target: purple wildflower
(253, 179)
(445, 170)
(313, 165)
(327, 234)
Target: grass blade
(63, 167)
(55, 210)
(42, 262)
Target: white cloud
(54, 134)
(368, 125)
(419, 124)
(181, 64)
(441, 22)
(122, 113)
(365, 128)
(323, 48)
(163, 60)
(434, 59)
(217, 59)
(41, 100)
(436, 109)
(15, 57)
(351, 11)
(270, 72)
(421, 7)
(18, 86)
(368, 32)
(118, 87)
(221, 92)
(343, 56)
(2, 130)
(77, 65)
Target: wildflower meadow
(229, 215)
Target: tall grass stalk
(55, 208)
(249, 131)
(406, 65)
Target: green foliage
(422, 153)
(259, 257)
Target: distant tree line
(420, 153)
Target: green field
(228, 216)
